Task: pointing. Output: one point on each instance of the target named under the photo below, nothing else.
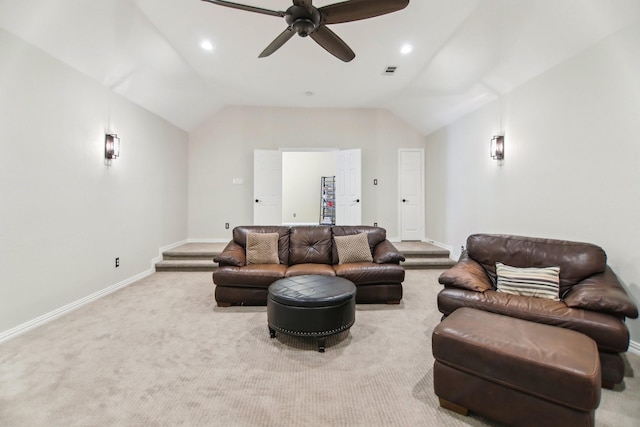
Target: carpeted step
(426, 253)
(425, 263)
(182, 255)
(186, 265)
(199, 257)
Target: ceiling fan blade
(246, 7)
(278, 42)
(354, 10)
(304, 3)
(332, 43)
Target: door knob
(404, 200)
(257, 200)
(357, 200)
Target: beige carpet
(159, 353)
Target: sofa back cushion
(375, 236)
(576, 260)
(310, 245)
(240, 237)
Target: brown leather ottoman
(311, 305)
(515, 372)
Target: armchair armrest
(602, 292)
(385, 252)
(233, 254)
(466, 274)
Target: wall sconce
(111, 146)
(497, 147)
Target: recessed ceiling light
(406, 49)
(206, 45)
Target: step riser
(186, 269)
(187, 257)
(415, 260)
(212, 269)
(425, 267)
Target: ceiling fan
(306, 20)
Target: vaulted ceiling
(465, 52)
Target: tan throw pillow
(353, 248)
(532, 282)
(262, 248)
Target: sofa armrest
(385, 252)
(466, 274)
(233, 254)
(601, 292)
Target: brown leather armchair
(592, 300)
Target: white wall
(572, 161)
(222, 149)
(65, 215)
(301, 176)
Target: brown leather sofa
(592, 300)
(308, 250)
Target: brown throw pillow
(262, 248)
(353, 248)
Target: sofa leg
(453, 407)
(224, 304)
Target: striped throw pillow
(531, 282)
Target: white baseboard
(48, 317)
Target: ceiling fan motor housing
(299, 18)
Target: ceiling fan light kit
(305, 20)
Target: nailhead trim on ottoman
(311, 305)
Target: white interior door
(267, 187)
(411, 181)
(348, 187)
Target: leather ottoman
(514, 371)
(311, 305)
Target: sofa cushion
(539, 282)
(262, 248)
(576, 260)
(310, 245)
(610, 332)
(369, 272)
(306, 269)
(354, 248)
(251, 276)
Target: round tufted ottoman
(311, 305)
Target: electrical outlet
(375, 224)
(117, 262)
(226, 225)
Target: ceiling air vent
(389, 70)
